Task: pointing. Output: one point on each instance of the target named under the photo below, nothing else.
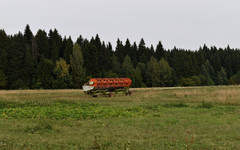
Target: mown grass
(156, 118)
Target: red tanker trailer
(107, 86)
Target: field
(151, 118)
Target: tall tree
(153, 73)
(61, 71)
(165, 73)
(16, 62)
(42, 45)
(159, 51)
(142, 52)
(91, 60)
(128, 71)
(45, 74)
(76, 62)
(120, 51)
(56, 45)
(29, 67)
(68, 50)
(28, 35)
(3, 80)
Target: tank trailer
(107, 86)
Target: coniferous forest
(50, 61)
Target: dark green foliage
(68, 50)
(63, 78)
(206, 105)
(159, 73)
(27, 61)
(16, 62)
(42, 44)
(3, 80)
(159, 51)
(28, 35)
(29, 66)
(128, 71)
(44, 74)
(176, 105)
(235, 79)
(76, 62)
(142, 52)
(192, 81)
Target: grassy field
(151, 118)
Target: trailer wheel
(130, 92)
(111, 94)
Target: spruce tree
(142, 52)
(3, 80)
(42, 45)
(16, 62)
(120, 51)
(45, 74)
(68, 50)
(28, 35)
(159, 51)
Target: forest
(50, 61)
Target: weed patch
(42, 127)
(175, 105)
(206, 105)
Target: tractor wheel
(111, 94)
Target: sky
(185, 24)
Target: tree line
(50, 61)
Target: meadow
(151, 118)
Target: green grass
(156, 118)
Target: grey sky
(181, 23)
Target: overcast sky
(182, 23)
